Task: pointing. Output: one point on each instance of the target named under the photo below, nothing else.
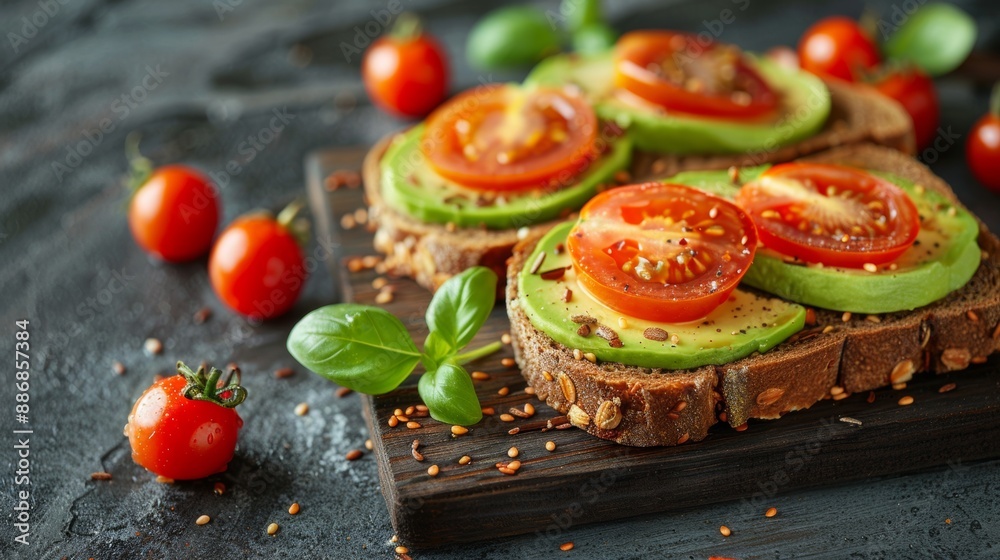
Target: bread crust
(432, 253)
(852, 353)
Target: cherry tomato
(661, 252)
(915, 92)
(837, 46)
(173, 215)
(186, 437)
(681, 73)
(830, 214)
(406, 73)
(982, 149)
(256, 267)
(505, 137)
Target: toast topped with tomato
(667, 307)
(501, 161)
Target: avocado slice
(744, 324)
(409, 185)
(943, 258)
(804, 109)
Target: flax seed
(972, 316)
(947, 388)
(272, 529)
(433, 470)
(655, 333)
(283, 373)
(584, 330)
(100, 476)
(583, 320)
(459, 430)
(465, 460)
(566, 546)
(202, 520)
(871, 397)
(725, 531)
(906, 401)
(810, 316)
(302, 409)
(343, 392)
(550, 446)
(293, 509)
(353, 455)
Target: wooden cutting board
(588, 480)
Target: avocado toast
(741, 361)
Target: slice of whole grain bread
(432, 253)
(835, 355)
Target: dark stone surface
(92, 297)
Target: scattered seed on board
(459, 430)
(505, 338)
(504, 391)
(202, 520)
(202, 315)
(219, 488)
(118, 367)
(402, 550)
(282, 373)
(293, 509)
(725, 531)
(164, 479)
(465, 460)
(100, 476)
(383, 297)
(153, 346)
(489, 411)
(343, 392)
(566, 546)
(849, 420)
(412, 425)
(947, 387)
(906, 401)
(272, 529)
(433, 470)
(480, 375)
(353, 455)
(771, 512)
(393, 421)
(507, 362)
(550, 446)
(512, 452)
(302, 409)
(506, 417)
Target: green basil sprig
(369, 350)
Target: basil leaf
(450, 396)
(937, 38)
(358, 346)
(461, 305)
(436, 350)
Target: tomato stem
(298, 227)
(140, 167)
(407, 27)
(472, 355)
(202, 386)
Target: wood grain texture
(588, 480)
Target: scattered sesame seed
(101, 475)
(353, 455)
(153, 346)
(272, 529)
(302, 409)
(870, 267)
(849, 420)
(947, 387)
(906, 401)
(164, 479)
(459, 430)
(369, 445)
(293, 509)
(550, 446)
(512, 452)
(591, 357)
(465, 460)
(202, 520)
(622, 322)
(771, 512)
(566, 546)
(505, 338)
(725, 531)
(577, 355)
(828, 329)
(433, 470)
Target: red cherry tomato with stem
(256, 266)
(406, 71)
(838, 47)
(915, 91)
(174, 210)
(982, 149)
(185, 427)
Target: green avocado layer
(744, 324)
(804, 109)
(409, 185)
(943, 258)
